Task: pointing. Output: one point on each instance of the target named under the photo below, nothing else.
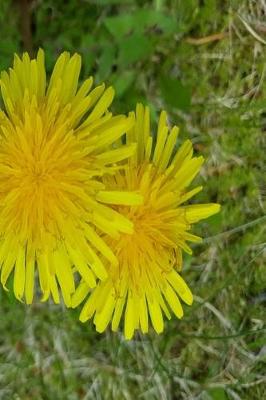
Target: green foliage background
(165, 54)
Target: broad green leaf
(123, 82)
(139, 21)
(150, 18)
(175, 93)
(106, 62)
(134, 48)
(119, 25)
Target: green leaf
(119, 25)
(134, 48)
(147, 18)
(7, 48)
(123, 82)
(217, 394)
(138, 21)
(175, 93)
(106, 62)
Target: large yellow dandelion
(146, 282)
(56, 141)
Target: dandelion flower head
(146, 284)
(56, 142)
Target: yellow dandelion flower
(55, 143)
(146, 282)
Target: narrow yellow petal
(148, 148)
(188, 171)
(180, 287)
(117, 197)
(173, 301)
(63, 270)
(43, 268)
(138, 132)
(97, 265)
(41, 73)
(196, 212)
(84, 89)
(82, 267)
(19, 277)
(163, 305)
(90, 306)
(155, 313)
(102, 106)
(102, 318)
(99, 244)
(129, 326)
(192, 238)
(111, 131)
(119, 306)
(95, 95)
(160, 143)
(8, 265)
(189, 194)
(30, 270)
(113, 156)
(109, 229)
(70, 78)
(143, 315)
(168, 149)
(54, 289)
(80, 294)
(58, 70)
(66, 297)
(185, 152)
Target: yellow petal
(54, 289)
(173, 301)
(30, 269)
(117, 197)
(80, 294)
(129, 318)
(143, 315)
(180, 286)
(102, 318)
(155, 314)
(196, 212)
(19, 277)
(119, 306)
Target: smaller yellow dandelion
(146, 282)
(56, 141)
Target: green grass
(216, 93)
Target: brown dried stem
(25, 24)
